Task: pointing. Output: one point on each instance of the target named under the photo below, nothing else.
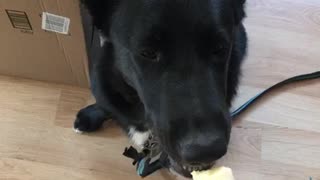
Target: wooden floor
(279, 139)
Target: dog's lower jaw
(178, 176)
(138, 138)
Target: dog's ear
(101, 11)
(239, 10)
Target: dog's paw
(85, 123)
(77, 131)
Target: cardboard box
(29, 51)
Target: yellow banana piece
(220, 173)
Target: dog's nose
(203, 151)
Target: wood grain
(278, 139)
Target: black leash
(143, 160)
(299, 78)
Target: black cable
(299, 78)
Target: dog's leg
(90, 119)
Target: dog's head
(175, 54)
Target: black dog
(170, 67)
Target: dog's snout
(203, 150)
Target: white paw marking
(77, 131)
(138, 138)
(103, 40)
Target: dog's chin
(178, 170)
(185, 170)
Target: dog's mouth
(187, 169)
(183, 169)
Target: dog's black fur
(163, 69)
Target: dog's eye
(150, 54)
(219, 49)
